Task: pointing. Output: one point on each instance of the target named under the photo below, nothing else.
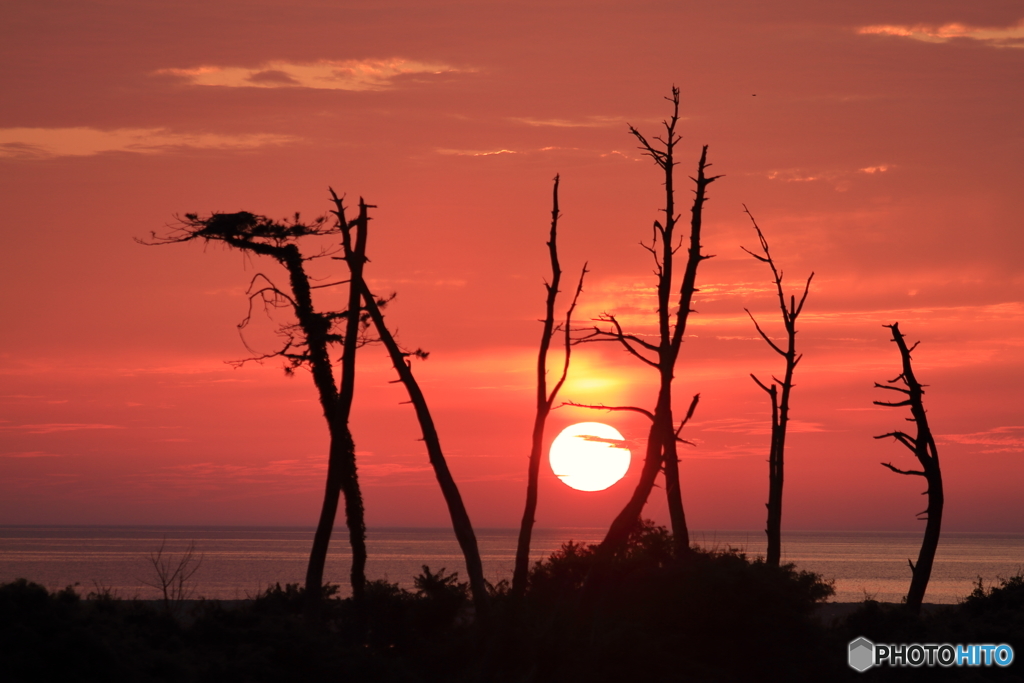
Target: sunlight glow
(585, 456)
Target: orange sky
(880, 146)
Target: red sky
(878, 144)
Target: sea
(236, 563)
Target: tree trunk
(661, 442)
(922, 571)
(780, 401)
(923, 447)
(342, 476)
(544, 400)
(456, 509)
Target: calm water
(239, 562)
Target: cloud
(213, 476)
(1009, 311)
(476, 152)
(733, 425)
(352, 74)
(419, 279)
(376, 471)
(273, 78)
(1009, 36)
(52, 427)
(569, 151)
(999, 440)
(587, 122)
(614, 443)
(43, 143)
(30, 454)
(755, 427)
(839, 178)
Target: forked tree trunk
(545, 400)
(342, 475)
(661, 452)
(779, 400)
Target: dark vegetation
(719, 616)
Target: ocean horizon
(241, 562)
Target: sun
(585, 456)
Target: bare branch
(807, 288)
(599, 335)
(771, 391)
(886, 386)
(905, 439)
(689, 414)
(763, 335)
(892, 405)
(568, 335)
(631, 409)
(899, 471)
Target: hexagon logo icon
(862, 654)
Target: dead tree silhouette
(544, 399)
(307, 343)
(461, 524)
(780, 400)
(661, 452)
(922, 445)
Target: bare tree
(544, 399)
(307, 343)
(461, 524)
(922, 445)
(780, 400)
(399, 358)
(174, 575)
(662, 354)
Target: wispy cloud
(502, 151)
(419, 279)
(42, 143)
(1007, 36)
(476, 152)
(803, 175)
(755, 427)
(350, 74)
(839, 178)
(52, 427)
(586, 122)
(998, 440)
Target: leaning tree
(922, 445)
(401, 360)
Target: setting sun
(585, 457)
